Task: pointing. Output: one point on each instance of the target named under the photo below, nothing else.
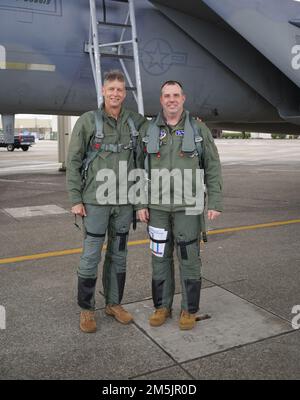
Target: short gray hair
(114, 75)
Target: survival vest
(96, 146)
(191, 142)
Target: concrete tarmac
(251, 277)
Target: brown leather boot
(159, 316)
(187, 320)
(119, 313)
(87, 321)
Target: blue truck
(21, 141)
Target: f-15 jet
(238, 60)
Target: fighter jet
(238, 60)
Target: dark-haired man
(181, 148)
(100, 141)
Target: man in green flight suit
(100, 141)
(178, 144)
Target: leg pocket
(187, 247)
(122, 239)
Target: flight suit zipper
(171, 168)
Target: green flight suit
(113, 218)
(183, 230)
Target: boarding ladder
(98, 50)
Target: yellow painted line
(136, 242)
(39, 256)
(145, 241)
(258, 226)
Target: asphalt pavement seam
(176, 363)
(242, 345)
(249, 301)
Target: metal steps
(99, 49)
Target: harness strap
(198, 140)
(134, 133)
(99, 126)
(90, 157)
(97, 235)
(188, 140)
(96, 146)
(182, 245)
(122, 244)
(191, 142)
(134, 144)
(112, 148)
(153, 137)
(158, 241)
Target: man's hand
(143, 215)
(79, 210)
(212, 214)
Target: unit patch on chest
(162, 134)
